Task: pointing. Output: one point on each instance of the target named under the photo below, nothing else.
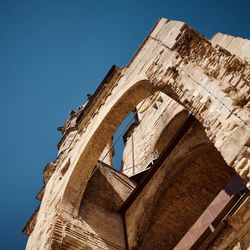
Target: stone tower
(184, 178)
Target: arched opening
(107, 188)
(174, 173)
(203, 78)
(99, 134)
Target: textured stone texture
(144, 146)
(209, 79)
(98, 224)
(236, 45)
(179, 192)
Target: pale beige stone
(175, 72)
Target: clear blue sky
(52, 53)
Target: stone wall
(236, 45)
(206, 79)
(156, 114)
(176, 195)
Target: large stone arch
(208, 81)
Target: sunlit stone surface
(184, 175)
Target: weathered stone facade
(185, 173)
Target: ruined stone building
(184, 178)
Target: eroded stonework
(185, 171)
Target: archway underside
(175, 197)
